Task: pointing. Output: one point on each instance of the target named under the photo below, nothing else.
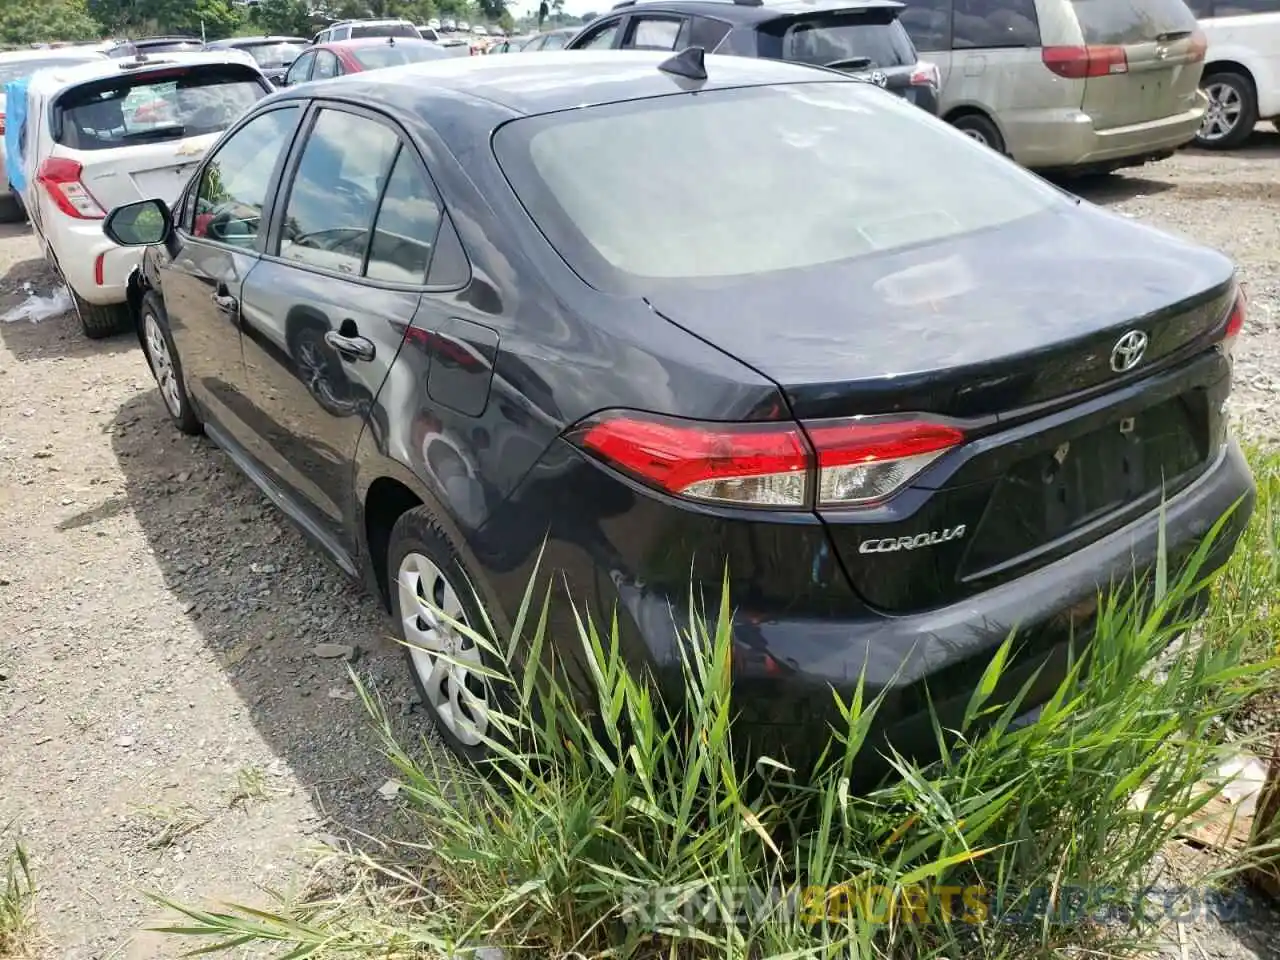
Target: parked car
(905, 418)
(104, 133)
(859, 37)
(337, 59)
(17, 65)
(273, 55)
(1070, 85)
(1242, 68)
(149, 45)
(360, 29)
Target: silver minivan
(1083, 85)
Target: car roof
(235, 42)
(74, 54)
(533, 83)
(740, 12)
(359, 43)
(57, 79)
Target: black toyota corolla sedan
(672, 316)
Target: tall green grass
(638, 834)
(16, 897)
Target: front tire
(1232, 113)
(99, 321)
(425, 575)
(166, 367)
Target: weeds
(166, 824)
(638, 833)
(16, 903)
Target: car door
(300, 71)
(218, 237)
(327, 309)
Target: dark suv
(858, 37)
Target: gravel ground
(168, 726)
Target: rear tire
(100, 321)
(977, 127)
(11, 209)
(1232, 113)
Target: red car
(326, 60)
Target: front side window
(602, 38)
(1132, 21)
(407, 224)
(997, 23)
(159, 105)
(654, 33)
(335, 192)
(634, 217)
(234, 182)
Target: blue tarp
(15, 95)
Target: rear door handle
(350, 348)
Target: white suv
(1241, 69)
(356, 29)
(98, 135)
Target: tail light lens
(926, 75)
(1199, 45)
(841, 463)
(61, 179)
(1235, 323)
(1081, 63)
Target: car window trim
(284, 189)
(273, 182)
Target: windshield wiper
(849, 63)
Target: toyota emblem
(880, 78)
(1128, 351)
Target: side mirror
(139, 224)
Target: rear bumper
(77, 245)
(1057, 139)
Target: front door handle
(350, 348)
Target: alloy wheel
(447, 662)
(1223, 114)
(975, 135)
(162, 364)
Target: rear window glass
(154, 106)
(800, 179)
(872, 39)
(384, 30)
(274, 54)
(1131, 21)
(387, 55)
(15, 69)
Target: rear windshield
(796, 176)
(383, 30)
(270, 55)
(1132, 21)
(168, 104)
(387, 55)
(14, 69)
(871, 39)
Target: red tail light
(828, 463)
(1235, 323)
(1199, 45)
(61, 179)
(1081, 63)
(926, 75)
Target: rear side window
(928, 23)
(654, 33)
(384, 30)
(1131, 21)
(158, 105)
(871, 39)
(555, 41)
(407, 224)
(375, 58)
(997, 23)
(633, 217)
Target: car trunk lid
(1144, 60)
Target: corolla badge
(880, 78)
(1128, 351)
(894, 544)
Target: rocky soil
(166, 722)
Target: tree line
(24, 22)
